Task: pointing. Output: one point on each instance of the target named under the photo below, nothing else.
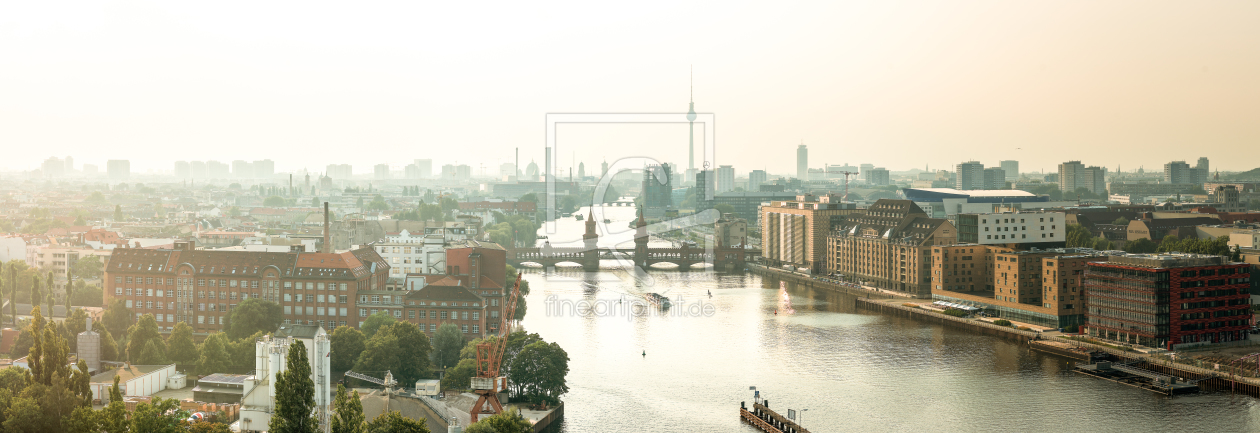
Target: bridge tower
(590, 254)
(640, 242)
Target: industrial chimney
(327, 247)
(90, 347)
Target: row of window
(1212, 325)
(317, 311)
(253, 284)
(1022, 236)
(1010, 220)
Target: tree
(77, 322)
(118, 318)
(96, 198)
(346, 345)
(1122, 221)
(413, 348)
(242, 353)
(347, 414)
(315, 202)
(539, 370)
(724, 208)
(118, 214)
(359, 203)
(162, 415)
(274, 201)
(378, 203)
(380, 353)
(1079, 237)
(140, 334)
(87, 295)
(109, 347)
(295, 395)
(24, 416)
(208, 427)
(213, 354)
(375, 322)
(153, 354)
(88, 268)
(447, 342)
(35, 355)
(82, 420)
(392, 422)
(459, 376)
(114, 416)
(1169, 244)
(1140, 246)
(508, 421)
(252, 316)
(180, 346)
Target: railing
(434, 405)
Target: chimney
(327, 248)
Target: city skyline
(974, 81)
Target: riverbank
(819, 282)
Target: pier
(768, 420)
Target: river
(853, 370)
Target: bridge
(589, 255)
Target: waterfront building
(1035, 286)
(888, 246)
(794, 232)
(730, 231)
(1169, 301)
(199, 287)
(657, 193)
(1014, 229)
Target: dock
(1128, 374)
(768, 420)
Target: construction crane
(388, 382)
(846, 182)
(487, 383)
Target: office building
(994, 178)
(756, 178)
(183, 284)
(802, 162)
(1011, 168)
(242, 169)
(1201, 165)
(1023, 229)
(380, 171)
(118, 169)
(970, 175)
(657, 193)
(425, 168)
(1169, 301)
(1178, 172)
(217, 170)
(339, 171)
(183, 169)
(888, 246)
(877, 176)
(794, 232)
(1074, 175)
(1038, 287)
(725, 179)
(947, 202)
(53, 168)
(265, 169)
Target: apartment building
(889, 246)
(794, 232)
(1040, 229)
(1034, 286)
(184, 284)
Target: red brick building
(1168, 300)
(434, 305)
(183, 284)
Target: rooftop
(1166, 260)
(126, 373)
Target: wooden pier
(768, 420)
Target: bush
(1024, 328)
(910, 305)
(1072, 329)
(956, 312)
(1002, 322)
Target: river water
(811, 349)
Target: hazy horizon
(896, 84)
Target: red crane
(487, 383)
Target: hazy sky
(896, 84)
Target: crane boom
(487, 383)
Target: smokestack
(327, 248)
(291, 184)
(516, 169)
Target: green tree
(81, 382)
(88, 296)
(508, 421)
(180, 346)
(82, 420)
(114, 416)
(413, 348)
(208, 427)
(460, 375)
(109, 347)
(118, 318)
(252, 316)
(392, 422)
(359, 203)
(161, 415)
(447, 342)
(375, 322)
(35, 355)
(724, 208)
(539, 372)
(1169, 244)
(274, 201)
(140, 334)
(24, 416)
(242, 353)
(295, 395)
(1078, 236)
(88, 268)
(1140, 246)
(118, 213)
(378, 203)
(153, 354)
(213, 356)
(1122, 221)
(347, 414)
(77, 322)
(315, 202)
(97, 198)
(346, 345)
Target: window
(128, 303)
(319, 298)
(432, 328)
(310, 310)
(341, 299)
(148, 292)
(300, 297)
(232, 283)
(443, 315)
(288, 309)
(398, 314)
(362, 312)
(321, 286)
(117, 280)
(118, 291)
(343, 312)
(411, 314)
(432, 314)
(288, 297)
(464, 316)
(148, 304)
(128, 292)
(319, 311)
(476, 329)
(476, 315)
(343, 286)
(463, 328)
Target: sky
(899, 84)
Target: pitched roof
(443, 293)
(248, 263)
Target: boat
(657, 300)
(606, 220)
(578, 216)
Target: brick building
(434, 305)
(1039, 287)
(889, 246)
(183, 284)
(1168, 300)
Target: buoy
(645, 353)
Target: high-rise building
(794, 231)
(725, 179)
(1201, 165)
(582, 171)
(802, 163)
(603, 171)
(265, 169)
(704, 189)
(1074, 175)
(970, 175)
(1178, 172)
(339, 171)
(118, 169)
(242, 169)
(878, 176)
(53, 168)
(657, 196)
(217, 170)
(994, 178)
(756, 178)
(70, 163)
(183, 169)
(380, 171)
(197, 169)
(1011, 168)
(862, 171)
(425, 168)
